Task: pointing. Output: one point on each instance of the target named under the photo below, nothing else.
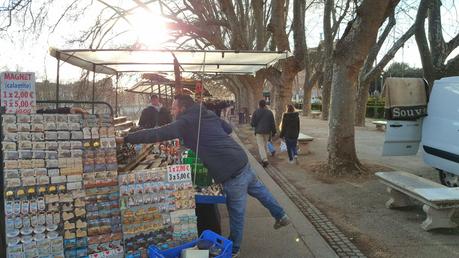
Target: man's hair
(184, 100)
(290, 108)
(154, 96)
(262, 103)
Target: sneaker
(264, 163)
(291, 161)
(236, 254)
(284, 221)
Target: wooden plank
(124, 125)
(119, 120)
(141, 156)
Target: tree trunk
(307, 92)
(342, 156)
(351, 51)
(257, 93)
(326, 88)
(284, 97)
(361, 103)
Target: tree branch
(299, 36)
(421, 40)
(374, 51)
(376, 71)
(452, 44)
(437, 43)
(452, 67)
(277, 25)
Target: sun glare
(150, 28)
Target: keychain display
(147, 200)
(65, 198)
(100, 181)
(43, 211)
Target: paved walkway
(300, 239)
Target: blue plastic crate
(209, 199)
(221, 242)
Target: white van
(437, 133)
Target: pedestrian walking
(289, 131)
(265, 128)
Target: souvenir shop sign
(179, 173)
(18, 92)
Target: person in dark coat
(265, 128)
(290, 129)
(154, 115)
(225, 159)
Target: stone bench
(380, 125)
(439, 202)
(316, 114)
(303, 141)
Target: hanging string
(200, 115)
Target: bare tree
(371, 72)
(435, 51)
(245, 25)
(351, 51)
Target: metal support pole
(57, 79)
(116, 95)
(93, 86)
(159, 92)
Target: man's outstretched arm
(163, 133)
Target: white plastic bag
(283, 146)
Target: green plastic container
(197, 168)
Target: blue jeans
(291, 148)
(236, 190)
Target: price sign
(18, 92)
(179, 173)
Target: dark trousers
(291, 148)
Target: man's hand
(119, 140)
(77, 110)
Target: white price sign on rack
(179, 173)
(18, 92)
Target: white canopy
(113, 61)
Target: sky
(29, 51)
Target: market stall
(65, 192)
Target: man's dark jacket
(290, 128)
(263, 121)
(151, 117)
(220, 153)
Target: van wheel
(448, 179)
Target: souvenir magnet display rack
(2, 200)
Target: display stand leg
(208, 217)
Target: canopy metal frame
(118, 61)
